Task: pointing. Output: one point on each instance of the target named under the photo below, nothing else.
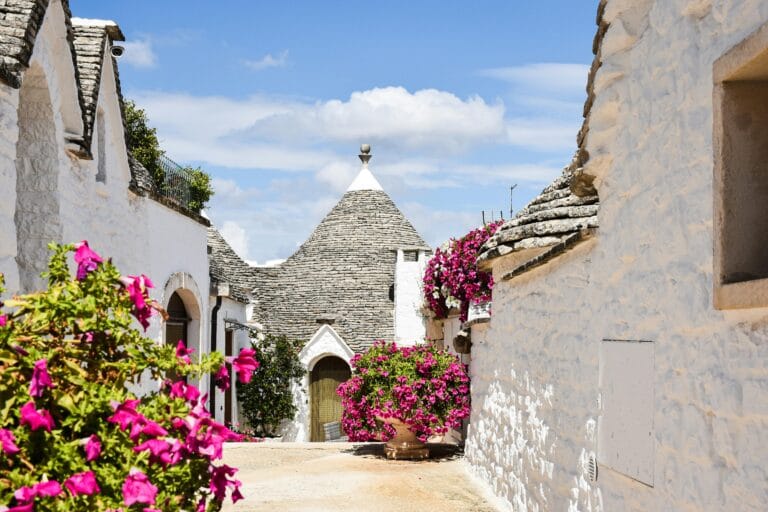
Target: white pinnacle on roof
(365, 179)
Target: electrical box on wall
(625, 426)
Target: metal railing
(176, 182)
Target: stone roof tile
(345, 268)
(565, 212)
(227, 267)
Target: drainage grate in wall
(592, 468)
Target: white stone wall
(9, 134)
(409, 322)
(648, 275)
(231, 310)
(57, 196)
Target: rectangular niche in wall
(740, 135)
(625, 428)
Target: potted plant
(404, 395)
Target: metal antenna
(511, 193)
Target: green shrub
(73, 435)
(267, 399)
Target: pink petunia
(220, 481)
(244, 364)
(182, 352)
(189, 392)
(27, 507)
(92, 448)
(82, 483)
(8, 442)
(36, 418)
(40, 378)
(222, 378)
(125, 413)
(138, 489)
(3, 320)
(137, 287)
(49, 488)
(86, 260)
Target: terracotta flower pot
(405, 444)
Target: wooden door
(228, 393)
(325, 404)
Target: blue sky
(460, 100)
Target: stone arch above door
(325, 342)
(186, 289)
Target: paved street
(318, 477)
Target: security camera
(117, 51)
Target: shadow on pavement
(437, 451)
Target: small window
(741, 174)
(410, 255)
(101, 149)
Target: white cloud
(236, 237)
(424, 119)
(268, 61)
(139, 53)
(544, 76)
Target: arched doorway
(177, 325)
(325, 404)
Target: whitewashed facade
(612, 356)
(57, 185)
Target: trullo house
(355, 280)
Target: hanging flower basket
(452, 279)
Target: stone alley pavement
(326, 477)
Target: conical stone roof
(342, 273)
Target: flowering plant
(72, 434)
(426, 388)
(452, 280)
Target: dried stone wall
(647, 275)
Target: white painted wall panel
(625, 427)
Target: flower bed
(452, 280)
(73, 437)
(426, 388)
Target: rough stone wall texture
(343, 271)
(9, 134)
(648, 274)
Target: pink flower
(182, 352)
(8, 442)
(137, 287)
(40, 378)
(138, 489)
(82, 483)
(220, 481)
(27, 507)
(49, 488)
(244, 364)
(181, 389)
(36, 418)
(86, 260)
(92, 448)
(222, 378)
(3, 321)
(125, 413)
